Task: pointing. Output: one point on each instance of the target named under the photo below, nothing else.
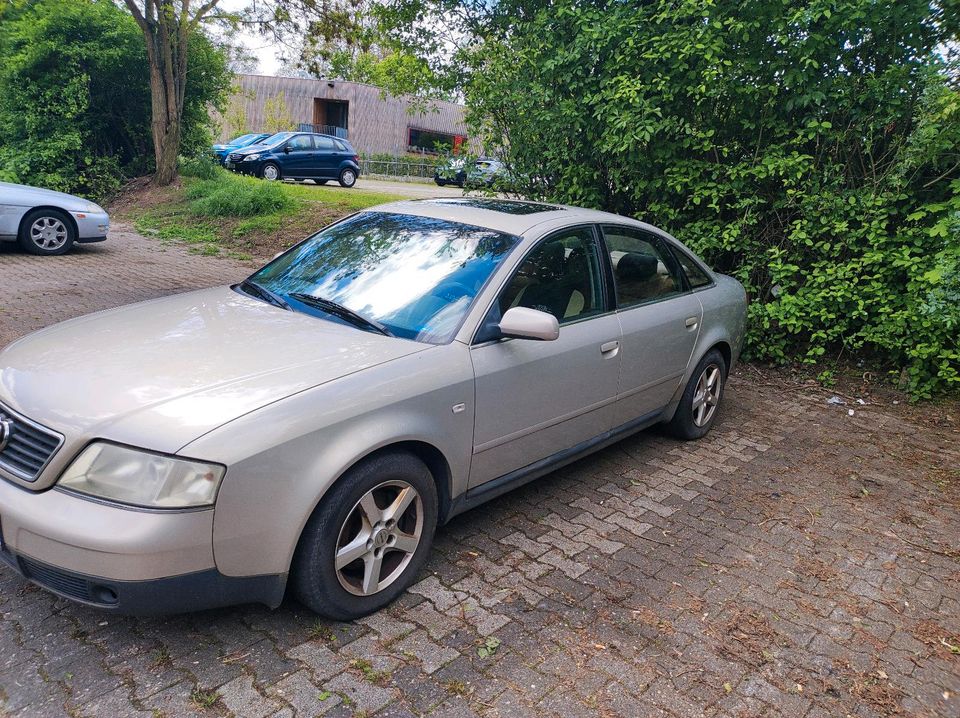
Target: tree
(75, 96)
(167, 27)
(276, 116)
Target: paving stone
(362, 694)
(240, 697)
(303, 695)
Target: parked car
(311, 426)
(299, 155)
(47, 222)
(222, 150)
(453, 171)
(486, 172)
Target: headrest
(636, 267)
(549, 260)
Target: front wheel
(348, 178)
(368, 538)
(47, 232)
(271, 172)
(701, 398)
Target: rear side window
(643, 268)
(340, 146)
(323, 143)
(695, 276)
(300, 142)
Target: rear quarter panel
(283, 458)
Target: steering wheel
(452, 291)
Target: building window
(436, 142)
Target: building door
(331, 117)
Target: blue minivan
(299, 156)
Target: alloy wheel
(707, 395)
(48, 233)
(379, 538)
(349, 178)
(270, 172)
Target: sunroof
(498, 205)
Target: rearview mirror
(526, 323)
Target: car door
(535, 399)
(328, 163)
(659, 319)
(299, 158)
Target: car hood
(161, 373)
(21, 194)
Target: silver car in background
(47, 222)
(311, 426)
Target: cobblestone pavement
(798, 561)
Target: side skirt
(524, 475)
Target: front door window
(561, 276)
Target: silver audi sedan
(47, 222)
(310, 427)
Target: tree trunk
(165, 128)
(166, 32)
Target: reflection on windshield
(275, 139)
(415, 275)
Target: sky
(264, 51)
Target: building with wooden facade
(373, 121)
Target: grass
(224, 214)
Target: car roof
(503, 215)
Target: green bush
(811, 148)
(229, 195)
(201, 166)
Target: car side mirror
(526, 323)
(286, 149)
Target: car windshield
(414, 277)
(275, 139)
(238, 140)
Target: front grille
(29, 446)
(53, 578)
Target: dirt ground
(801, 560)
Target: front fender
(282, 459)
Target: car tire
(440, 182)
(271, 172)
(343, 520)
(696, 413)
(47, 232)
(348, 177)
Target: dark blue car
(221, 151)
(299, 156)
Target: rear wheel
(701, 398)
(47, 232)
(368, 538)
(348, 178)
(271, 171)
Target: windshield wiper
(338, 310)
(251, 287)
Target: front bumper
(160, 596)
(128, 560)
(91, 226)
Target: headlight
(250, 158)
(142, 478)
(92, 208)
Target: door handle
(691, 322)
(609, 347)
